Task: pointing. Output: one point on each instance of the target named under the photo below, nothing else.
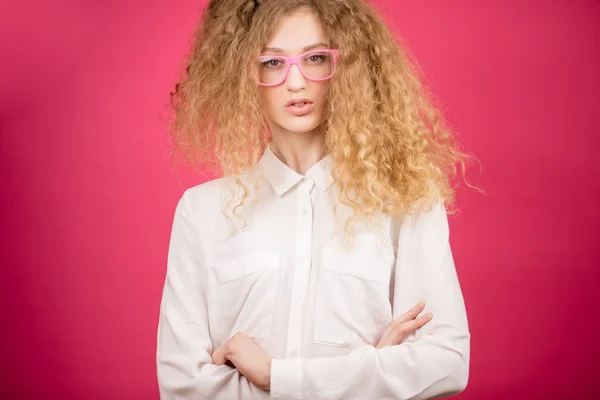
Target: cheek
(268, 101)
(321, 94)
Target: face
(295, 34)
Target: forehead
(296, 31)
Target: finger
(390, 334)
(218, 356)
(396, 332)
(410, 314)
(392, 330)
(417, 323)
(386, 340)
(411, 326)
(226, 352)
(241, 335)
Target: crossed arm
(434, 365)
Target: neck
(299, 150)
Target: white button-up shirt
(313, 306)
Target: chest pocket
(241, 295)
(352, 305)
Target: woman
(302, 272)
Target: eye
(270, 62)
(317, 58)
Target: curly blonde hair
(393, 152)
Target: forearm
(432, 366)
(206, 382)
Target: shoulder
(424, 238)
(428, 220)
(206, 191)
(207, 195)
(207, 199)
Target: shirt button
(299, 303)
(304, 212)
(298, 395)
(293, 352)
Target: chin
(300, 124)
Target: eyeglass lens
(272, 69)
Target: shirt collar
(282, 178)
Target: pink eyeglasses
(315, 65)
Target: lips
(303, 108)
(299, 101)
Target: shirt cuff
(286, 378)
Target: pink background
(89, 195)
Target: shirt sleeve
(183, 356)
(431, 363)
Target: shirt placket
(302, 267)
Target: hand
(247, 357)
(402, 326)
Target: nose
(295, 80)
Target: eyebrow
(304, 49)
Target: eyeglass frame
(295, 60)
